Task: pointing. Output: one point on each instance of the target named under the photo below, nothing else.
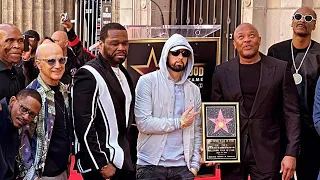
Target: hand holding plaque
(187, 118)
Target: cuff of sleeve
(195, 166)
(71, 35)
(291, 153)
(102, 163)
(177, 123)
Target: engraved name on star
(220, 122)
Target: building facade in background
(271, 17)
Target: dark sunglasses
(307, 18)
(52, 62)
(185, 53)
(25, 111)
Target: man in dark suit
(265, 89)
(103, 102)
(303, 56)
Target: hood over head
(176, 42)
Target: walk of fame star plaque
(221, 133)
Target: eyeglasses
(307, 18)
(52, 62)
(25, 111)
(185, 53)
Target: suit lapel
(266, 78)
(115, 90)
(130, 83)
(233, 80)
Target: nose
(121, 47)
(16, 44)
(246, 39)
(302, 20)
(26, 117)
(57, 64)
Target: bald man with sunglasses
(303, 57)
(52, 133)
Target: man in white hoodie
(167, 116)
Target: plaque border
(204, 137)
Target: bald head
(61, 38)
(48, 48)
(245, 26)
(11, 44)
(7, 27)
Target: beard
(116, 60)
(177, 68)
(112, 59)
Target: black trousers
(308, 161)
(119, 175)
(247, 166)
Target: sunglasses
(307, 18)
(185, 53)
(25, 111)
(52, 62)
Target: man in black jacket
(103, 102)
(21, 110)
(73, 49)
(265, 90)
(11, 47)
(303, 57)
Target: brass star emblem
(151, 66)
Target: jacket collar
(3, 66)
(265, 82)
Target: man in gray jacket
(167, 116)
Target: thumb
(186, 111)
(282, 167)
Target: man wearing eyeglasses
(167, 114)
(11, 47)
(20, 112)
(46, 153)
(303, 57)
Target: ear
(234, 44)
(38, 63)
(13, 99)
(66, 44)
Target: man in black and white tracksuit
(103, 102)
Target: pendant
(297, 78)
